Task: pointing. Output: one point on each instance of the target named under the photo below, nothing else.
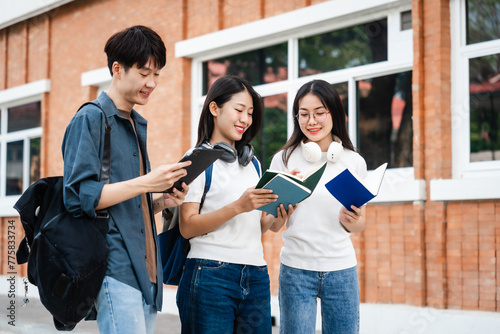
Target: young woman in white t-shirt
(224, 287)
(318, 258)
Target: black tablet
(201, 158)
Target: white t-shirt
(314, 238)
(239, 239)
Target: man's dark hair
(135, 45)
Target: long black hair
(331, 101)
(222, 91)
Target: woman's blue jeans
(224, 298)
(298, 293)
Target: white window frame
(470, 180)
(9, 98)
(100, 78)
(399, 183)
(18, 11)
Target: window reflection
(24, 117)
(484, 88)
(342, 90)
(406, 20)
(14, 168)
(385, 130)
(258, 66)
(34, 160)
(483, 20)
(273, 134)
(354, 46)
(22, 154)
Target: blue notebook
(349, 190)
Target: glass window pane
(257, 66)
(483, 20)
(349, 47)
(273, 134)
(406, 20)
(34, 160)
(14, 180)
(484, 89)
(24, 117)
(342, 88)
(385, 131)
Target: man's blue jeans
(122, 309)
(298, 293)
(224, 298)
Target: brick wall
(390, 255)
(439, 254)
(472, 248)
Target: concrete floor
(34, 318)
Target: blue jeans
(224, 298)
(298, 293)
(122, 309)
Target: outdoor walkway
(375, 318)
(34, 318)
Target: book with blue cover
(349, 189)
(290, 189)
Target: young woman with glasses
(318, 258)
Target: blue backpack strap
(256, 165)
(208, 178)
(208, 182)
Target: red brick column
(432, 137)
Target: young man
(131, 292)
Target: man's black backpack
(67, 256)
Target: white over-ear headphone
(312, 151)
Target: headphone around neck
(244, 154)
(312, 152)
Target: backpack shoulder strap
(95, 103)
(208, 178)
(256, 165)
(106, 155)
(106, 158)
(208, 182)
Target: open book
(349, 189)
(201, 158)
(290, 189)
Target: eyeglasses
(303, 118)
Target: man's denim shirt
(82, 152)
